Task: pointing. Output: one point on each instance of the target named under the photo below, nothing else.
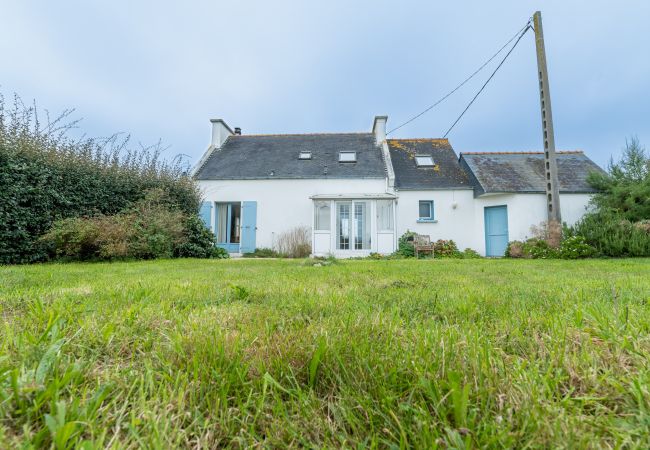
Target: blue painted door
(205, 213)
(249, 227)
(496, 230)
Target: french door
(353, 225)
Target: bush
(446, 249)
(469, 253)
(47, 176)
(219, 253)
(198, 242)
(575, 247)
(515, 249)
(572, 247)
(262, 253)
(152, 228)
(405, 245)
(295, 243)
(537, 248)
(613, 236)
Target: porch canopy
(385, 196)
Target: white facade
(460, 216)
(283, 205)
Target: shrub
(295, 243)
(572, 247)
(470, 253)
(539, 249)
(515, 249)
(535, 247)
(613, 236)
(446, 249)
(74, 238)
(219, 253)
(575, 247)
(198, 242)
(551, 232)
(152, 228)
(405, 245)
(262, 253)
(47, 176)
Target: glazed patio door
(353, 225)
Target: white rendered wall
(450, 223)
(283, 204)
(465, 223)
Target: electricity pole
(550, 160)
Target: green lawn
(448, 353)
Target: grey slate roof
(276, 157)
(445, 174)
(524, 172)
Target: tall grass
(408, 354)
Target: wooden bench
(422, 244)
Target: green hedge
(46, 176)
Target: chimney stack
(379, 129)
(220, 132)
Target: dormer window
(424, 160)
(304, 155)
(347, 156)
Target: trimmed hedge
(47, 176)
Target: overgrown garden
(87, 198)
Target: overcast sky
(161, 70)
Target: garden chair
(422, 243)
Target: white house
(358, 192)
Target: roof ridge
(419, 139)
(301, 134)
(561, 152)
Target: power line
(524, 29)
(489, 79)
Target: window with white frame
(322, 216)
(385, 215)
(426, 210)
(347, 156)
(424, 160)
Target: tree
(625, 188)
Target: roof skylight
(424, 160)
(304, 155)
(347, 156)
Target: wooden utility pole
(550, 160)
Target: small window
(424, 160)
(426, 210)
(321, 216)
(304, 155)
(347, 156)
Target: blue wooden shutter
(249, 227)
(205, 213)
